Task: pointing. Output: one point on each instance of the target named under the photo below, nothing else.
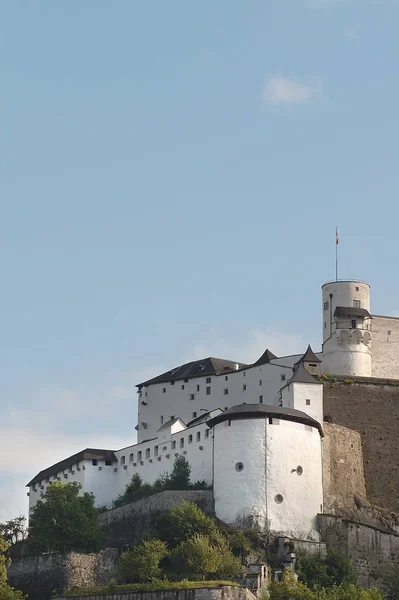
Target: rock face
(39, 576)
(226, 592)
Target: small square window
(325, 305)
(182, 386)
(172, 383)
(208, 380)
(171, 417)
(94, 462)
(307, 402)
(225, 391)
(244, 387)
(186, 381)
(164, 390)
(208, 391)
(198, 388)
(192, 396)
(260, 399)
(108, 463)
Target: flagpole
(336, 254)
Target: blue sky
(171, 175)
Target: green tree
(181, 473)
(334, 570)
(63, 520)
(142, 563)
(289, 589)
(6, 591)
(182, 522)
(14, 530)
(350, 592)
(196, 555)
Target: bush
(155, 586)
(182, 522)
(334, 570)
(142, 563)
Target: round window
(239, 466)
(278, 498)
(299, 470)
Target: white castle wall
(385, 347)
(269, 452)
(307, 397)
(249, 385)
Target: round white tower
(346, 328)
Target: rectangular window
(172, 383)
(226, 377)
(356, 303)
(198, 388)
(181, 442)
(260, 399)
(147, 453)
(182, 386)
(186, 381)
(282, 376)
(194, 415)
(190, 439)
(171, 417)
(139, 456)
(225, 391)
(208, 391)
(244, 374)
(155, 450)
(307, 402)
(192, 396)
(208, 380)
(207, 433)
(94, 462)
(353, 323)
(108, 463)
(173, 445)
(325, 325)
(260, 382)
(131, 457)
(244, 387)
(198, 436)
(389, 332)
(164, 390)
(325, 305)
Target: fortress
(280, 440)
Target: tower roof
(266, 357)
(309, 356)
(260, 411)
(302, 375)
(351, 311)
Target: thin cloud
(286, 91)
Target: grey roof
(266, 357)
(197, 368)
(301, 375)
(309, 356)
(170, 423)
(88, 454)
(261, 411)
(351, 311)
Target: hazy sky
(171, 175)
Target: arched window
(131, 457)
(123, 460)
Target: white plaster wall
(385, 347)
(295, 396)
(265, 380)
(346, 359)
(36, 491)
(239, 494)
(288, 446)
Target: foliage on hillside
(153, 586)
(62, 520)
(179, 479)
(6, 591)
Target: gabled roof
(171, 423)
(266, 357)
(197, 368)
(260, 411)
(88, 454)
(309, 356)
(301, 375)
(204, 417)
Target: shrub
(334, 570)
(182, 522)
(142, 563)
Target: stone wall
(226, 592)
(38, 576)
(371, 407)
(127, 524)
(343, 473)
(369, 539)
